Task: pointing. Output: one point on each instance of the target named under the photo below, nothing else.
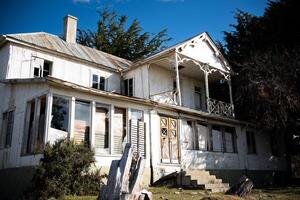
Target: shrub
(65, 170)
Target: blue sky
(182, 18)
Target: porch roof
(180, 110)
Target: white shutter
(141, 139)
(134, 134)
(137, 136)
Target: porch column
(177, 80)
(230, 91)
(206, 89)
(48, 116)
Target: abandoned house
(175, 108)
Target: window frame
(251, 141)
(4, 128)
(126, 83)
(41, 69)
(69, 99)
(101, 82)
(31, 143)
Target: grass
(164, 193)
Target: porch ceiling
(189, 69)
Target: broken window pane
(36, 72)
(29, 127)
(60, 113)
(128, 87)
(41, 123)
(102, 128)
(47, 68)
(82, 122)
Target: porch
(193, 84)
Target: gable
(202, 48)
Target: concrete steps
(201, 179)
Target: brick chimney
(70, 28)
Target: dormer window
(42, 68)
(98, 82)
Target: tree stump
(242, 188)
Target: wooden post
(177, 80)
(230, 91)
(48, 116)
(206, 89)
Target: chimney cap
(71, 16)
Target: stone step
(216, 185)
(218, 190)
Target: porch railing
(168, 97)
(220, 108)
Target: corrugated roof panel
(55, 43)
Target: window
(251, 142)
(223, 139)
(41, 67)
(198, 98)
(274, 145)
(137, 114)
(137, 132)
(60, 113)
(7, 128)
(229, 140)
(119, 134)
(128, 87)
(102, 129)
(202, 136)
(188, 140)
(82, 122)
(217, 139)
(98, 82)
(33, 139)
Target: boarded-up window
(251, 142)
(82, 122)
(217, 139)
(137, 136)
(202, 137)
(102, 129)
(7, 128)
(60, 113)
(119, 132)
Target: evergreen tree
(113, 37)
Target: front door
(169, 140)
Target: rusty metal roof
(53, 42)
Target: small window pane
(95, 83)
(60, 113)
(82, 122)
(130, 87)
(36, 72)
(102, 128)
(217, 139)
(202, 136)
(47, 68)
(102, 83)
(137, 114)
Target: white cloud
(81, 1)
